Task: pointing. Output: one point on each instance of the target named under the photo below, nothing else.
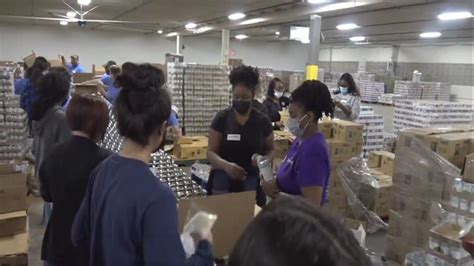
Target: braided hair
(315, 97)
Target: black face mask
(242, 107)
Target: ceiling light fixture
(429, 35)
(202, 29)
(171, 34)
(236, 16)
(317, 1)
(252, 21)
(455, 15)
(357, 38)
(347, 26)
(159, 31)
(63, 22)
(71, 14)
(190, 26)
(84, 2)
(241, 36)
(277, 33)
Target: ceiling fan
(80, 19)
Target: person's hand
(270, 188)
(235, 171)
(198, 237)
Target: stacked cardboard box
(191, 148)
(13, 221)
(420, 178)
(199, 92)
(373, 133)
(346, 143)
(423, 90)
(424, 114)
(13, 120)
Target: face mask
(278, 94)
(344, 90)
(294, 126)
(242, 107)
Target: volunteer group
(108, 208)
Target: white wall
(97, 47)
(454, 54)
(358, 54)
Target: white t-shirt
(351, 101)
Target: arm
(270, 146)
(313, 194)
(63, 60)
(347, 111)
(177, 132)
(160, 225)
(44, 189)
(355, 109)
(312, 175)
(213, 146)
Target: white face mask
(294, 126)
(278, 94)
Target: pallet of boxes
(190, 148)
(427, 163)
(13, 218)
(344, 140)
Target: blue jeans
(222, 183)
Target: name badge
(233, 137)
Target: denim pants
(222, 183)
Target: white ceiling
(383, 22)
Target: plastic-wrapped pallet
(423, 90)
(421, 178)
(199, 92)
(389, 142)
(370, 90)
(425, 113)
(390, 98)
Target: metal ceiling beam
(128, 12)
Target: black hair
(108, 65)
(35, 72)
(292, 231)
(53, 88)
(245, 75)
(271, 87)
(142, 105)
(315, 97)
(352, 85)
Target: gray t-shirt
(351, 101)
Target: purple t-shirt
(307, 164)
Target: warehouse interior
(412, 60)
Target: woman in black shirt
(272, 102)
(64, 175)
(236, 134)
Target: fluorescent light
(277, 33)
(190, 26)
(237, 16)
(159, 31)
(299, 33)
(84, 2)
(63, 22)
(202, 29)
(430, 34)
(252, 21)
(305, 41)
(171, 34)
(71, 14)
(342, 5)
(455, 15)
(357, 38)
(241, 36)
(317, 1)
(347, 26)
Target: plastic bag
(201, 171)
(199, 222)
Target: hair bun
(141, 78)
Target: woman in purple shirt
(306, 169)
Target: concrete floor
(374, 242)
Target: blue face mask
(344, 90)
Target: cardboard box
(454, 147)
(387, 163)
(13, 192)
(339, 149)
(85, 89)
(347, 131)
(82, 77)
(14, 250)
(29, 60)
(12, 223)
(375, 159)
(377, 197)
(326, 128)
(234, 212)
(7, 169)
(196, 150)
(284, 115)
(468, 170)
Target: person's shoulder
(224, 113)
(315, 144)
